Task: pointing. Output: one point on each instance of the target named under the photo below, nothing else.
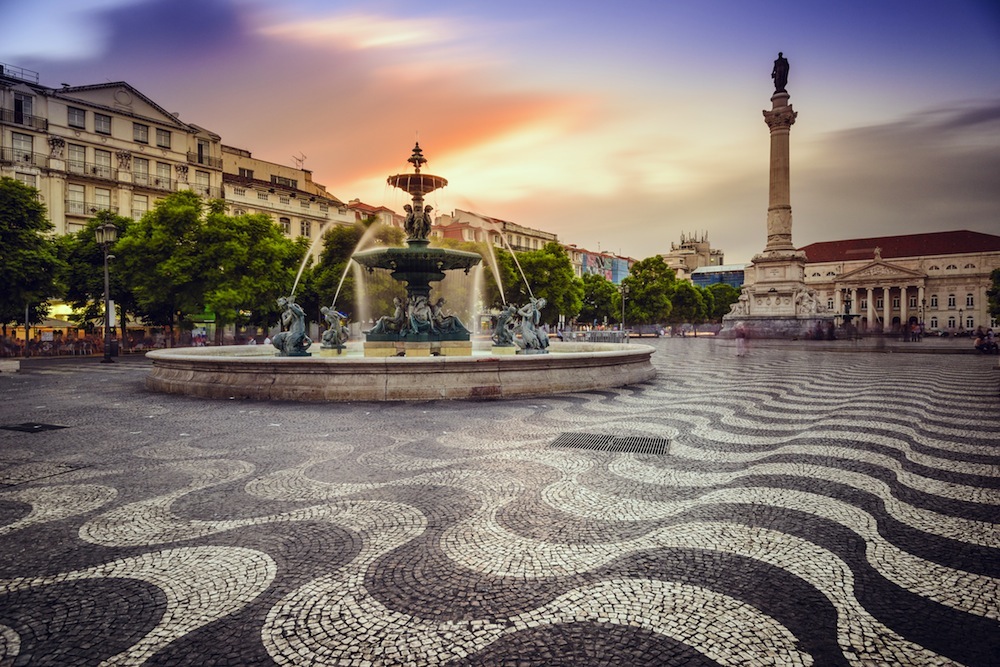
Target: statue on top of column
(780, 73)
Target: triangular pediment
(880, 269)
(122, 98)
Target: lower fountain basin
(253, 372)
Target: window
(23, 147)
(285, 182)
(969, 322)
(879, 304)
(163, 138)
(934, 301)
(951, 300)
(970, 300)
(140, 170)
(74, 199)
(934, 323)
(102, 199)
(102, 164)
(830, 273)
(245, 173)
(305, 228)
(913, 302)
(951, 322)
(934, 267)
(162, 174)
(951, 267)
(140, 133)
(140, 205)
(202, 151)
(76, 158)
(286, 225)
(76, 118)
(895, 302)
(28, 179)
(829, 303)
(970, 266)
(864, 304)
(102, 123)
(22, 108)
(815, 274)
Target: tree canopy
(650, 288)
(600, 300)
(725, 296)
(549, 273)
(185, 257)
(993, 293)
(29, 260)
(687, 303)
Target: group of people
(985, 341)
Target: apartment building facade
(100, 147)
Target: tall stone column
(886, 310)
(780, 119)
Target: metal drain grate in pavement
(31, 427)
(612, 443)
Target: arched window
(970, 266)
(305, 228)
(970, 300)
(951, 300)
(951, 322)
(934, 267)
(934, 323)
(934, 301)
(830, 273)
(951, 267)
(286, 225)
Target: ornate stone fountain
(418, 327)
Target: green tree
(688, 305)
(600, 300)
(29, 259)
(549, 272)
(993, 294)
(650, 287)
(185, 257)
(82, 275)
(725, 296)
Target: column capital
(782, 117)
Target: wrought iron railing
(75, 207)
(214, 162)
(19, 118)
(17, 156)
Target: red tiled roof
(909, 245)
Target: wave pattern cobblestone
(812, 508)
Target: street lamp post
(105, 235)
(624, 297)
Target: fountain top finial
(417, 159)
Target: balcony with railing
(87, 208)
(152, 181)
(15, 72)
(15, 117)
(204, 160)
(102, 171)
(17, 156)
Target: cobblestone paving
(811, 509)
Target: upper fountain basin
(417, 184)
(418, 256)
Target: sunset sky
(616, 125)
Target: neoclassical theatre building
(939, 279)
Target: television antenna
(299, 159)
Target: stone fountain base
(252, 372)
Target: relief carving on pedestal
(56, 147)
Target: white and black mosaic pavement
(811, 509)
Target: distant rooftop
(908, 245)
(720, 268)
(15, 72)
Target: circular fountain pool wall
(253, 372)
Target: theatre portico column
(886, 310)
(870, 314)
(903, 289)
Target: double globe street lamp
(105, 235)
